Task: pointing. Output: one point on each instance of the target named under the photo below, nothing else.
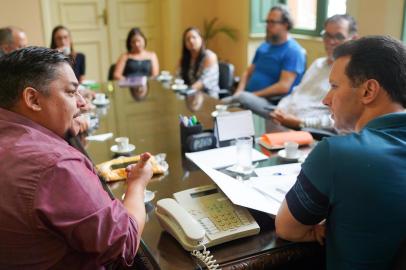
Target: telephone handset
(203, 216)
(179, 223)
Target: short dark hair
(28, 67)
(381, 58)
(6, 35)
(133, 32)
(352, 24)
(286, 17)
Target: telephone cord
(206, 258)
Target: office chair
(226, 79)
(399, 261)
(319, 134)
(110, 75)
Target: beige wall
(377, 17)
(26, 15)
(373, 16)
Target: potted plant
(210, 30)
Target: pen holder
(185, 132)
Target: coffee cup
(122, 143)
(221, 108)
(179, 81)
(100, 97)
(291, 149)
(66, 50)
(165, 73)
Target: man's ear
(371, 89)
(30, 98)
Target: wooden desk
(152, 125)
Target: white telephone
(203, 216)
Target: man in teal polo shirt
(356, 183)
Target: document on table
(220, 157)
(264, 193)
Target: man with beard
(54, 213)
(278, 64)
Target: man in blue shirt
(356, 183)
(278, 65)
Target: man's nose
(80, 100)
(327, 99)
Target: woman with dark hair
(198, 65)
(136, 61)
(62, 41)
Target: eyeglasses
(327, 36)
(273, 22)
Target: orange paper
(279, 138)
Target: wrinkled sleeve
(294, 61)
(322, 122)
(309, 198)
(71, 202)
(210, 78)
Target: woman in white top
(198, 65)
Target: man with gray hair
(11, 39)
(304, 107)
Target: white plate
(282, 155)
(115, 149)
(103, 103)
(179, 87)
(214, 114)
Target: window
(308, 15)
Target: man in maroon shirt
(54, 212)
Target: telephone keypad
(222, 216)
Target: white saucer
(103, 103)
(214, 114)
(148, 196)
(282, 155)
(164, 78)
(179, 87)
(115, 149)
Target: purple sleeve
(71, 202)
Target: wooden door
(99, 28)
(87, 21)
(126, 14)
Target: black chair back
(226, 75)
(110, 75)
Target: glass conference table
(150, 120)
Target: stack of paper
(220, 157)
(264, 193)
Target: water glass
(244, 154)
